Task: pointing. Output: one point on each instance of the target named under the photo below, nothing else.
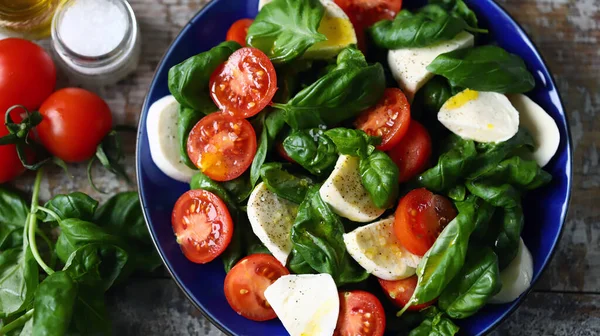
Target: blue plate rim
(499, 320)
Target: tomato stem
(32, 225)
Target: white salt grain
(93, 27)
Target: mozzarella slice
(344, 192)
(409, 65)
(516, 278)
(161, 123)
(376, 248)
(335, 25)
(541, 125)
(480, 116)
(271, 218)
(306, 304)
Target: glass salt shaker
(97, 42)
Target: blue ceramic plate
(545, 209)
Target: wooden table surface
(566, 301)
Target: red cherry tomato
(245, 84)
(246, 282)
(202, 225)
(238, 31)
(361, 313)
(27, 74)
(389, 119)
(420, 218)
(11, 166)
(401, 291)
(222, 146)
(366, 12)
(74, 122)
(413, 152)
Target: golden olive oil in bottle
(27, 18)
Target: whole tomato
(27, 74)
(74, 122)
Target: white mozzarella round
(516, 278)
(161, 123)
(344, 192)
(306, 304)
(541, 126)
(376, 248)
(480, 116)
(271, 218)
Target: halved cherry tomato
(401, 291)
(245, 84)
(202, 225)
(389, 119)
(246, 282)
(74, 122)
(238, 31)
(361, 313)
(420, 218)
(366, 12)
(222, 146)
(412, 153)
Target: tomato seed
(244, 291)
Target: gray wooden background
(567, 299)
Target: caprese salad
(339, 190)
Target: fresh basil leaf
(500, 195)
(317, 235)
(188, 81)
(430, 25)
(446, 257)
(201, 181)
(476, 283)
(90, 317)
(379, 175)
(341, 94)
(353, 142)
(428, 102)
(290, 187)
(285, 29)
(13, 214)
(260, 157)
(19, 278)
(507, 243)
(491, 154)
(122, 216)
(312, 150)
(523, 174)
(485, 68)
(76, 233)
(275, 122)
(458, 193)
(451, 166)
(435, 324)
(187, 118)
(73, 205)
(97, 264)
(298, 265)
(458, 8)
(239, 188)
(53, 305)
(352, 272)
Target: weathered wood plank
(158, 307)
